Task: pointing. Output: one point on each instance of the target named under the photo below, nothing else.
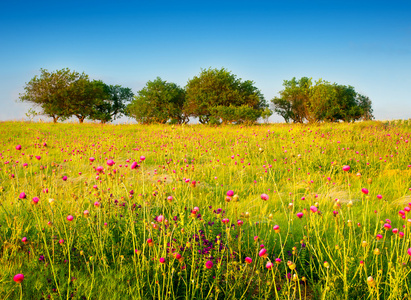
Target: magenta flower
(170, 198)
(18, 278)
(160, 218)
(110, 162)
(263, 253)
(225, 221)
(24, 239)
(18, 147)
(70, 218)
(264, 197)
(278, 261)
(99, 169)
(162, 260)
(150, 242)
(409, 251)
(276, 228)
(22, 195)
(240, 222)
(387, 226)
(379, 196)
(230, 193)
(209, 264)
(395, 230)
(64, 178)
(365, 191)
(38, 157)
(300, 215)
(134, 165)
(346, 168)
(61, 242)
(92, 159)
(35, 200)
(313, 208)
(142, 158)
(86, 213)
(248, 260)
(378, 237)
(269, 265)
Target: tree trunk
(80, 120)
(55, 119)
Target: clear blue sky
(366, 44)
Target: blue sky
(366, 44)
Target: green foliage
(302, 101)
(158, 102)
(51, 92)
(213, 88)
(235, 114)
(114, 103)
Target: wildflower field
(197, 212)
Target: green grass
(105, 254)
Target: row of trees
(302, 101)
(63, 94)
(214, 96)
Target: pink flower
(110, 162)
(300, 215)
(18, 147)
(61, 242)
(230, 193)
(365, 191)
(162, 260)
(91, 159)
(395, 230)
(150, 242)
(209, 264)
(64, 178)
(225, 221)
(86, 213)
(24, 239)
(264, 197)
(134, 165)
(70, 218)
(170, 198)
(379, 196)
(97, 204)
(160, 218)
(409, 251)
(313, 208)
(263, 253)
(240, 222)
(22, 195)
(19, 277)
(99, 169)
(269, 265)
(248, 260)
(38, 157)
(142, 158)
(378, 237)
(276, 228)
(35, 200)
(278, 261)
(387, 226)
(346, 168)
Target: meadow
(272, 211)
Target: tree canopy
(213, 88)
(158, 102)
(63, 93)
(302, 101)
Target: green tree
(113, 105)
(85, 96)
(158, 102)
(293, 100)
(51, 92)
(302, 101)
(214, 88)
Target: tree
(214, 88)
(51, 91)
(85, 96)
(113, 105)
(292, 103)
(158, 102)
(302, 101)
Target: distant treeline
(215, 96)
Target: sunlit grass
(200, 200)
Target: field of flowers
(196, 212)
